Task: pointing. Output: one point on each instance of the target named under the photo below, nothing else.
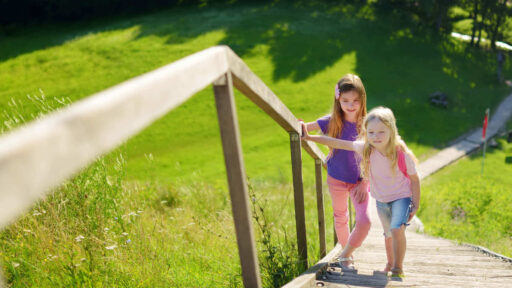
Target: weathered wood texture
(298, 197)
(429, 262)
(251, 86)
(320, 207)
(43, 153)
(308, 278)
(235, 170)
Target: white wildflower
(79, 238)
(112, 247)
(109, 181)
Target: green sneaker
(397, 273)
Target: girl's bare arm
(415, 187)
(326, 140)
(312, 126)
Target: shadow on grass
(399, 61)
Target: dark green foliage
(26, 11)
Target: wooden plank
(320, 207)
(308, 278)
(228, 123)
(252, 87)
(48, 151)
(428, 261)
(298, 197)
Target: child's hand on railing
(304, 135)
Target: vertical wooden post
(298, 197)
(320, 207)
(228, 123)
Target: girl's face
(350, 104)
(378, 134)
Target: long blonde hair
(386, 116)
(349, 82)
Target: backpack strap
(401, 162)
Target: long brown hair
(349, 82)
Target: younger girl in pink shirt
(390, 168)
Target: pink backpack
(401, 162)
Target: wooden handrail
(40, 155)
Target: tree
(488, 16)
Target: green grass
(185, 233)
(101, 229)
(299, 52)
(459, 203)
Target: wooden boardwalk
(429, 262)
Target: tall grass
(101, 229)
(458, 203)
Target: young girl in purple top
(391, 169)
(343, 176)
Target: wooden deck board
(429, 262)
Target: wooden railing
(42, 154)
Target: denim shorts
(394, 214)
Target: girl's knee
(341, 217)
(398, 231)
(364, 225)
(364, 220)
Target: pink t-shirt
(384, 186)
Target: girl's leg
(400, 213)
(384, 212)
(339, 195)
(388, 242)
(399, 246)
(363, 222)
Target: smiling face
(350, 103)
(378, 134)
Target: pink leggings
(339, 193)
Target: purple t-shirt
(342, 165)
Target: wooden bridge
(42, 154)
(429, 262)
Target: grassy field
(172, 203)
(461, 204)
(299, 52)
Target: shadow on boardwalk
(334, 275)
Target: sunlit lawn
(184, 232)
